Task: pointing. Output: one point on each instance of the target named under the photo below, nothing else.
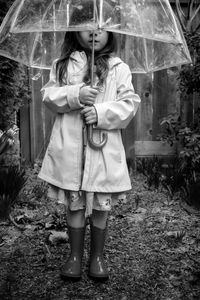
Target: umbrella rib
(16, 15)
(174, 20)
(67, 9)
(146, 56)
(33, 49)
(145, 47)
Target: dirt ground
(152, 249)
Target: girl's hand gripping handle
(87, 97)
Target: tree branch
(181, 16)
(192, 17)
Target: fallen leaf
(56, 237)
(156, 210)
(179, 234)
(136, 218)
(140, 210)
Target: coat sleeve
(60, 99)
(117, 114)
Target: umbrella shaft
(92, 60)
(93, 44)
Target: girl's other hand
(87, 95)
(90, 114)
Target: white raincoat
(105, 170)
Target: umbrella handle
(92, 144)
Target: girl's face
(100, 39)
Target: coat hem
(118, 189)
(57, 184)
(78, 187)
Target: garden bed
(152, 249)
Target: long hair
(71, 44)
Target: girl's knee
(99, 218)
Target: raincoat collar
(80, 58)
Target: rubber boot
(71, 270)
(97, 267)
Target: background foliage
(14, 82)
(190, 23)
(190, 74)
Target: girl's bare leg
(76, 219)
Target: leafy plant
(14, 91)
(159, 173)
(174, 179)
(187, 167)
(151, 169)
(12, 179)
(189, 19)
(14, 85)
(171, 126)
(7, 139)
(189, 76)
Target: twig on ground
(20, 227)
(47, 248)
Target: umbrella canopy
(149, 36)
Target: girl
(88, 180)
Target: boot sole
(98, 278)
(70, 278)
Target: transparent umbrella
(149, 36)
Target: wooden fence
(159, 97)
